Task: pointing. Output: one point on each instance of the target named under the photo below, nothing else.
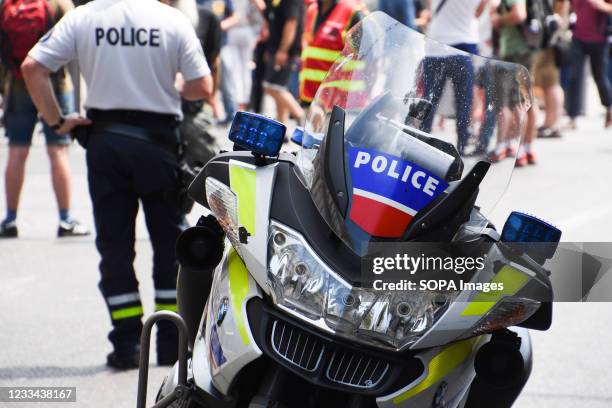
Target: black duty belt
(166, 140)
(134, 117)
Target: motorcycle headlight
(304, 286)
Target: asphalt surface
(53, 321)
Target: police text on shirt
(128, 37)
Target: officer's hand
(72, 121)
(280, 60)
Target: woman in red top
(590, 39)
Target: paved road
(53, 320)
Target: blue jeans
(460, 70)
(488, 125)
(401, 10)
(226, 96)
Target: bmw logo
(222, 311)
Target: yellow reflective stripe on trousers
(239, 289)
(349, 86)
(440, 366)
(321, 54)
(513, 281)
(243, 184)
(126, 313)
(166, 306)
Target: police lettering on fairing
(389, 191)
(128, 37)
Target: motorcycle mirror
(260, 135)
(201, 247)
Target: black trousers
(598, 54)
(124, 171)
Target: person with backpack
(22, 24)
(518, 43)
(590, 39)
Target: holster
(81, 134)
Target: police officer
(138, 57)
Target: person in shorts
(507, 20)
(20, 119)
(285, 19)
(547, 77)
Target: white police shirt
(129, 52)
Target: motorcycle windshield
(378, 162)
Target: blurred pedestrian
(224, 11)
(22, 24)
(483, 113)
(455, 23)
(238, 52)
(401, 10)
(327, 22)
(422, 14)
(198, 145)
(508, 20)
(188, 7)
(131, 137)
(547, 76)
(590, 39)
(285, 19)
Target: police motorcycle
(274, 310)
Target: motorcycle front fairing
(221, 353)
(289, 239)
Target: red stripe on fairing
(378, 219)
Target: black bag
(198, 146)
(563, 48)
(538, 28)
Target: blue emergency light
(306, 139)
(539, 239)
(258, 134)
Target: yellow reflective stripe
(126, 312)
(309, 74)
(352, 65)
(512, 279)
(440, 366)
(239, 289)
(321, 54)
(349, 86)
(166, 306)
(243, 184)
